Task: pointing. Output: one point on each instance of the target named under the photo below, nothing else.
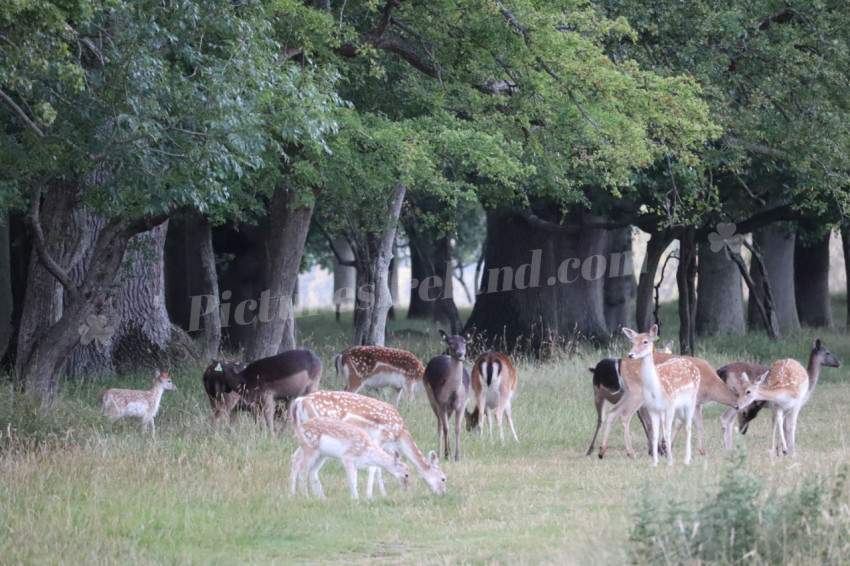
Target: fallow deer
(493, 382)
(321, 438)
(266, 381)
(668, 388)
(119, 403)
(379, 367)
(820, 356)
(447, 384)
(785, 386)
(383, 424)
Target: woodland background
(152, 152)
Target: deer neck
(455, 370)
(813, 370)
(156, 393)
(407, 447)
(649, 376)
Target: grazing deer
(321, 438)
(266, 381)
(494, 383)
(447, 384)
(819, 356)
(785, 386)
(381, 422)
(379, 367)
(668, 388)
(120, 403)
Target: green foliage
(740, 521)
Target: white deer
(379, 367)
(382, 423)
(668, 388)
(119, 403)
(322, 438)
(786, 387)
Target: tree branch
(41, 246)
(23, 115)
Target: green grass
(76, 489)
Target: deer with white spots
(381, 421)
(493, 382)
(120, 403)
(321, 438)
(668, 388)
(379, 367)
(786, 386)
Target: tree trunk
(373, 277)
(686, 285)
(720, 296)
(198, 239)
(51, 327)
(345, 277)
(432, 281)
(541, 284)
(136, 330)
(845, 245)
(620, 289)
(6, 304)
(655, 247)
(811, 282)
(287, 234)
(776, 246)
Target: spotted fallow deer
(120, 403)
(321, 438)
(668, 388)
(379, 367)
(447, 384)
(493, 383)
(819, 357)
(383, 424)
(786, 387)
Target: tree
(128, 112)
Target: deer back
(289, 374)
(357, 364)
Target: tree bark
(541, 286)
(776, 246)
(686, 284)
(199, 244)
(621, 288)
(6, 304)
(720, 296)
(287, 234)
(845, 245)
(655, 247)
(345, 277)
(51, 327)
(373, 277)
(432, 281)
(811, 282)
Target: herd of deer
(662, 388)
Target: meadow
(76, 489)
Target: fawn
(120, 403)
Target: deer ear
(165, 374)
(653, 332)
(630, 333)
(443, 334)
(760, 379)
(816, 344)
(433, 459)
(470, 334)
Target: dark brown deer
(266, 381)
(447, 384)
(820, 356)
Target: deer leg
(643, 417)
(690, 414)
(457, 435)
(510, 420)
(351, 472)
(296, 472)
(791, 429)
(399, 391)
(600, 410)
(655, 418)
(696, 417)
(727, 427)
(315, 484)
(489, 414)
(373, 470)
(628, 404)
(499, 422)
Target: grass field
(76, 489)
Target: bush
(740, 521)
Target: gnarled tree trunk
(720, 295)
(620, 288)
(811, 282)
(776, 247)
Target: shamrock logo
(96, 330)
(726, 237)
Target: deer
(668, 388)
(711, 389)
(322, 438)
(820, 356)
(493, 382)
(266, 381)
(379, 367)
(785, 385)
(382, 423)
(120, 403)
(447, 385)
